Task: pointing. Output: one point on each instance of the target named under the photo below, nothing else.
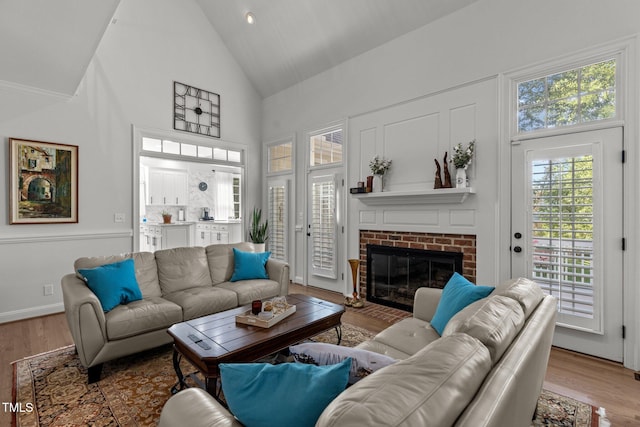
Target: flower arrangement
(379, 165)
(461, 159)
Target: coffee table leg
(211, 385)
(339, 333)
(181, 384)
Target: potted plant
(461, 160)
(379, 167)
(166, 217)
(258, 232)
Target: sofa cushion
(456, 295)
(494, 321)
(139, 317)
(221, 262)
(113, 284)
(408, 336)
(431, 388)
(249, 265)
(202, 301)
(145, 265)
(363, 362)
(93, 262)
(525, 291)
(250, 290)
(182, 268)
(147, 274)
(378, 347)
(288, 394)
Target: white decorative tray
(249, 318)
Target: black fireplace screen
(394, 274)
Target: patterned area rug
(133, 389)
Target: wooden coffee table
(207, 341)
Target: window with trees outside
(562, 231)
(577, 96)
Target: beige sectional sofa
(176, 285)
(486, 369)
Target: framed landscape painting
(44, 182)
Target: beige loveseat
(486, 369)
(176, 285)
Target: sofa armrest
(196, 408)
(425, 303)
(279, 271)
(85, 318)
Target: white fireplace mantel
(441, 195)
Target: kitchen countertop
(220, 221)
(168, 225)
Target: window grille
(326, 148)
(280, 157)
(568, 98)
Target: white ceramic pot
(378, 183)
(461, 178)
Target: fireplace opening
(395, 273)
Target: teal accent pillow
(249, 265)
(456, 295)
(113, 284)
(288, 394)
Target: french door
(567, 233)
(324, 235)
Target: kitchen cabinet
(166, 236)
(152, 238)
(215, 234)
(167, 187)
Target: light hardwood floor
(585, 378)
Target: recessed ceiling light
(250, 18)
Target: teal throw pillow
(288, 394)
(456, 295)
(113, 284)
(249, 265)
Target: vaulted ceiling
(292, 40)
(47, 45)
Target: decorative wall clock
(196, 110)
(203, 186)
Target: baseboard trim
(27, 313)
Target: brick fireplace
(459, 243)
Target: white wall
(129, 81)
(413, 134)
(485, 39)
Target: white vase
(461, 178)
(259, 247)
(378, 183)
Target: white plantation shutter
(564, 233)
(324, 227)
(278, 219)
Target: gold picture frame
(43, 182)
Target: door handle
(517, 249)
